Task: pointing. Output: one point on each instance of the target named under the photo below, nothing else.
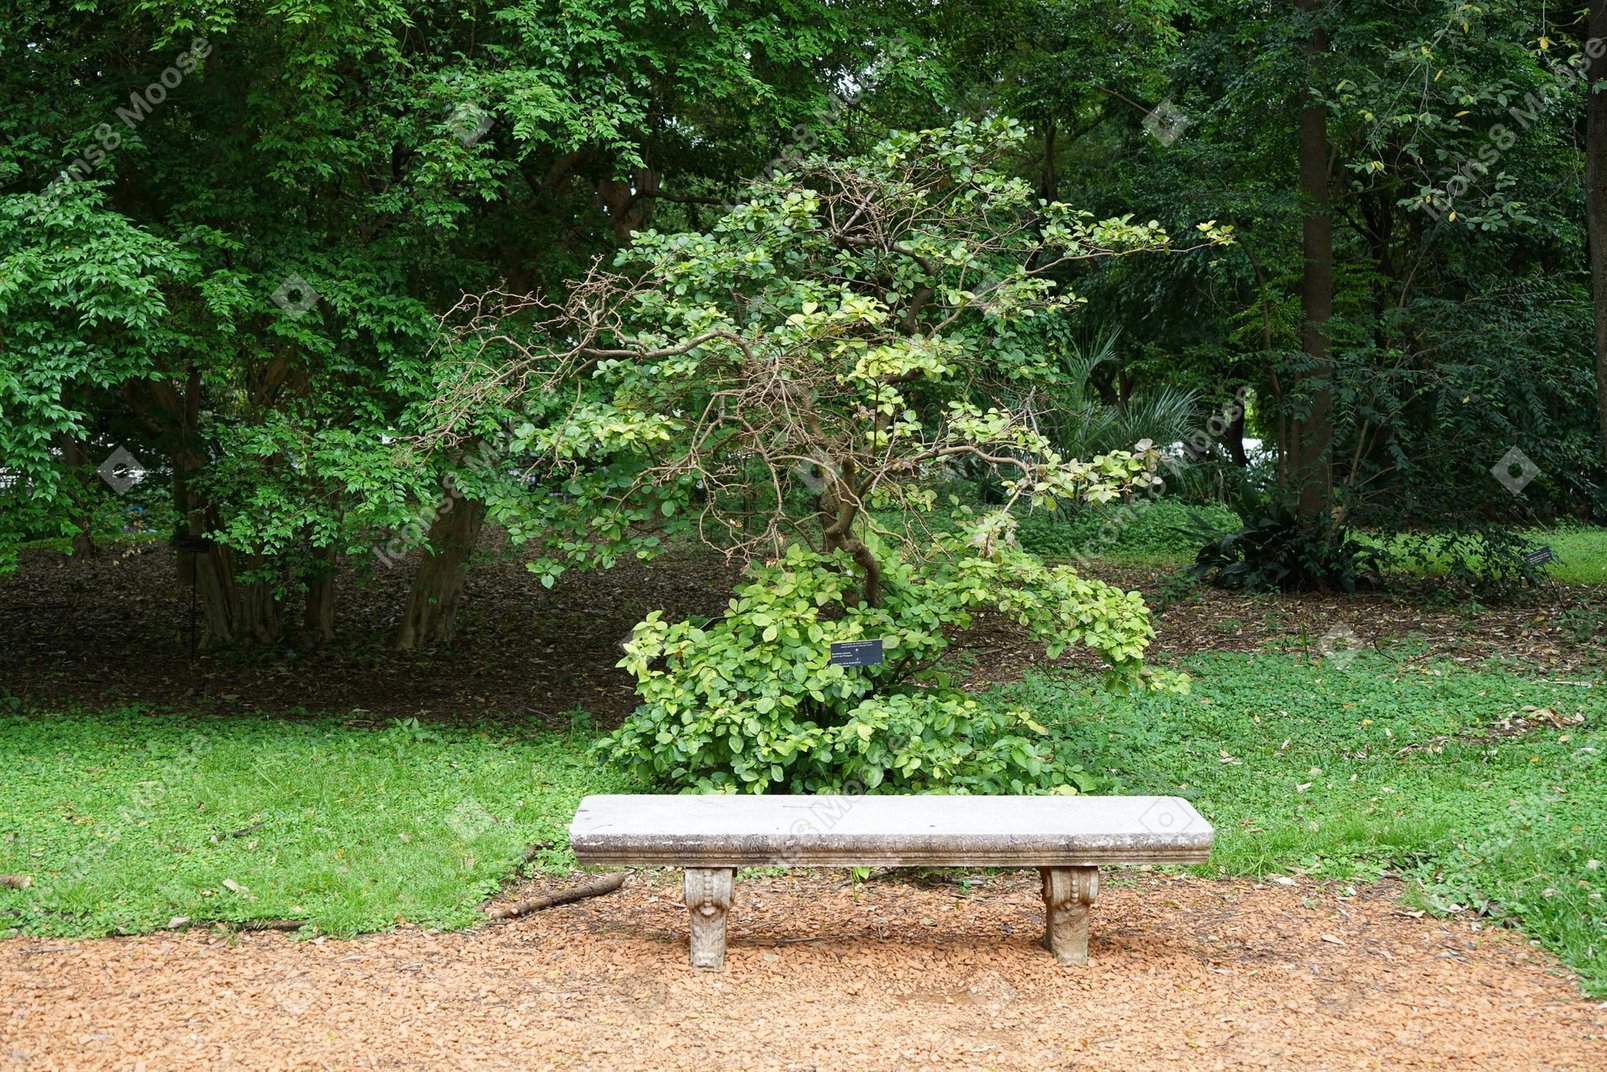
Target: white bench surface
(683, 830)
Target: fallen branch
(274, 924)
(15, 882)
(595, 888)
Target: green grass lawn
(1340, 772)
(1581, 553)
(123, 819)
(1380, 765)
(1150, 536)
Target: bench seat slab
(667, 830)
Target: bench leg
(708, 898)
(1068, 894)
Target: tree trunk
(211, 572)
(1313, 433)
(1596, 202)
(262, 611)
(432, 606)
(837, 511)
(1233, 439)
(232, 611)
(318, 618)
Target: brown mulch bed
(821, 974)
(113, 629)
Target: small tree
(796, 384)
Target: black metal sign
(1538, 558)
(856, 652)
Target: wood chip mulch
(1187, 973)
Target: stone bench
(1067, 839)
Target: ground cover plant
(130, 818)
(1485, 787)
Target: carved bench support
(1068, 894)
(708, 898)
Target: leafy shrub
(1145, 528)
(751, 702)
(1482, 556)
(1273, 549)
(1585, 619)
(1175, 588)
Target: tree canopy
(255, 246)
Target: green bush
(751, 702)
(1273, 549)
(1146, 529)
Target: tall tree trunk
(318, 618)
(432, 606)
(1313, 433)
(233, 611)
(211, 572)
(262, 612)
(1596, 201)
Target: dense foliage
(228, 235)
(750, 701)
(800, 377)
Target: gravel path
(1187, 973)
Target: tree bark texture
(443, 570)
(838, 509)
(318, 616)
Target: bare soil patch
(1186, 973)
(113, 629)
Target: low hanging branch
(595, 888)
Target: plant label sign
(856, 652)
(1538, 558)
